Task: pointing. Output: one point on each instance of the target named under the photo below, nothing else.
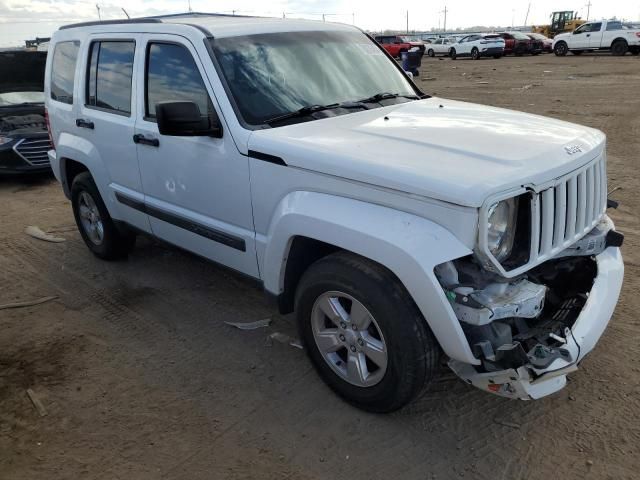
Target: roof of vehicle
(221, 25)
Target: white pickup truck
(612, 35)
(401, 228)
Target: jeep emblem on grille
(571, 149)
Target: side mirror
(183, 119)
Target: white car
(477, 46)
(613, 35)
(440, 46)
(399, 227)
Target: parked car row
(490, 45)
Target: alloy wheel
(349, 339)
(90, 218)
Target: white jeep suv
(402, 229)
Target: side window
(63, 71)
(438, 42)
(110, 74)
(614, 26)
(595, 27)
(584, 28)
(172, 75)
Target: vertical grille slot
(561, 214)
(548, 220)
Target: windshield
(277, 73)
(19, 98)
(519, 36)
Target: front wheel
(96, 227)
(363, 332)
(431, 53)
(453, 54)
(475, 54)
(560, 49)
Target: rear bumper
(528, 383)
(490, 52)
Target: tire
(561, 49)
(475, 54)
(619, 48)
(577, 52)
(96, 226)
(411, 353)
(431, 53)
(453, 54)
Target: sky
(25, 19)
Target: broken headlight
(501, 227)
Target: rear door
(106, 118)
(196, 188)
(610, 31)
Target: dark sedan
(24, 140)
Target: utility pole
(323, 17)
(190, 6)
(588, 5)
(445, 18)
(353, 18)
(526, 18)
(98, 8)
(407, 21)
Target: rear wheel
(453, 54)
(96, 227)
(431, 53)
(363, 332)
(561, 49)
(475, 54)
(619, 48)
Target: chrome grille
(565, 212)
(34, 150)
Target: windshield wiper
(386, 95)
(308, 110)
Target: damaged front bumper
(534, 364)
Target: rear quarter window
(65, 56)
(110, 76)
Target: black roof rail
(111, 22)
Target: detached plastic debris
(250, 325)
(284, 338)
(35, 232)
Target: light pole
(588, 5)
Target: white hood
(451, 151)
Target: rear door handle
(82, 123)
(152, 142)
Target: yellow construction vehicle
(560, 22)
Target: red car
(395, 44)
(518, 43)
(547, 43)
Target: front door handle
(152, 142)
(588, 34)
(82, 123)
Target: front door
(580, 37)
(196, 188)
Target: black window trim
(79, 45)
(147, 49)
(87, 74)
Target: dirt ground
(141, 378)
